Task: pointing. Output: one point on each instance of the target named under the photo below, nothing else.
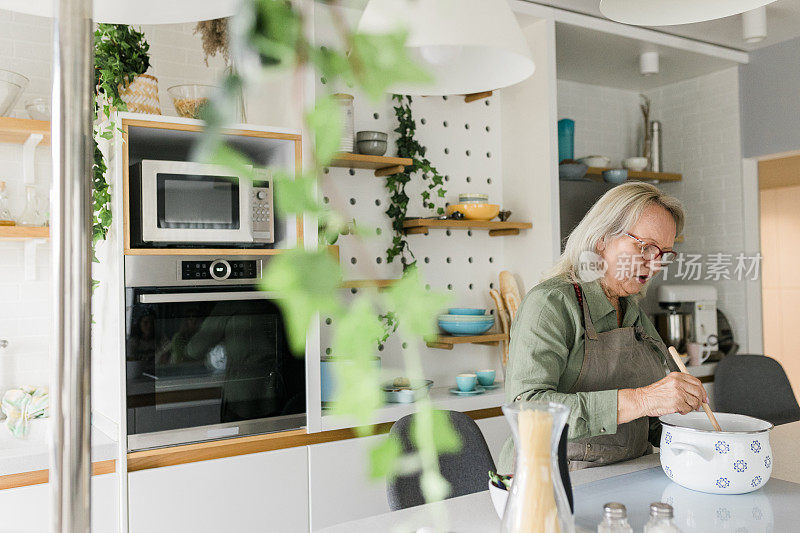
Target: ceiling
(783, 23)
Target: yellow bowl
(475, 211)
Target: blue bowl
(466, 311)
(463, 329)
(616, 175)
(572, 171)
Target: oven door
(206, 365)
(185, 202)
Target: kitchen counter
(19, 456)
(635, 483)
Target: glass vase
(32, 215)
(537, 502)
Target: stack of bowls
(474, 206)
(462, 322)
(371, 142)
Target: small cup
(466, 382)
(485, 377)
(698, 353)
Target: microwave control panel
(219, 270)
(262, 207)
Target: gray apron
(622, 358)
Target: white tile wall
(607, 120)
(700, 121)
(701, 139)
(25, 306)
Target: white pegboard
(463, 143)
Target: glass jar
(347, 112)
(5, 209)
(615, 519)
(661, 515)
(32, 215)
(537, 501)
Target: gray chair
(755, 385)
(467, 470)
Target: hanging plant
(214, 34)
(409, 147)
(120, 54)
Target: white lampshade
(669, 12)
(136, 11)
(469, 46)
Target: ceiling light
(469, 46)
(670, 12)
(648, 63)
(135, 12)
(754, 25)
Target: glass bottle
(615, 519)
(537, 501)
(5, 210)
(661, 519)
(31, 216)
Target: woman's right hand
(676, 393)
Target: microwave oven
(187, 204)
(206, 352)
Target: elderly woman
(581, 339)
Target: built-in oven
(185, 204)
(207, 355)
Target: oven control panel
(219, 269)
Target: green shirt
(547, 349)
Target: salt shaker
(615, 519)
(661, 519)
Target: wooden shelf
(446, 342)
(383, 166)
(596, 174)
(496, 228)
(368, 283)
(17, 130)
(24, 232)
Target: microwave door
(186, 202)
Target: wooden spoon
(677, 358)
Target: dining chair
(755, 385)
(467, 471)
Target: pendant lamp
(468, 46)
(670, 12)
(135, 11)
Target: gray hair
(613, 214)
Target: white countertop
(635, 483)
(32, 454)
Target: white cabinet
(27, 509)
(339, 486)
(265, 491)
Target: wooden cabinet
(265, 491)
(26, 509)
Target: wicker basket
(141, 96)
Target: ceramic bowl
(636, 164)
(572, 171)
(486, 377)
(464, 329)
(371, 147)
(475, 211)
(595, 161)
(473, 198)
(466, 382)
(465, 318)
(468, 311)
(371, 136)
(733, 461)
(499, 498)
(615, 176)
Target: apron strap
(588, 325)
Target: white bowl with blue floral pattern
(736, 460)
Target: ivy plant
(408, 146)
(269, 36)
(120, 54)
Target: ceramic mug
(486, 377)
(466, 382)
(698, 353)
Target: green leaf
(445, 437)
(325, 123)
(296, 196)
(384, 456)
(415, 307)
(381, 61)
(307, 282)
(232, 159)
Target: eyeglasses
(651, 252)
